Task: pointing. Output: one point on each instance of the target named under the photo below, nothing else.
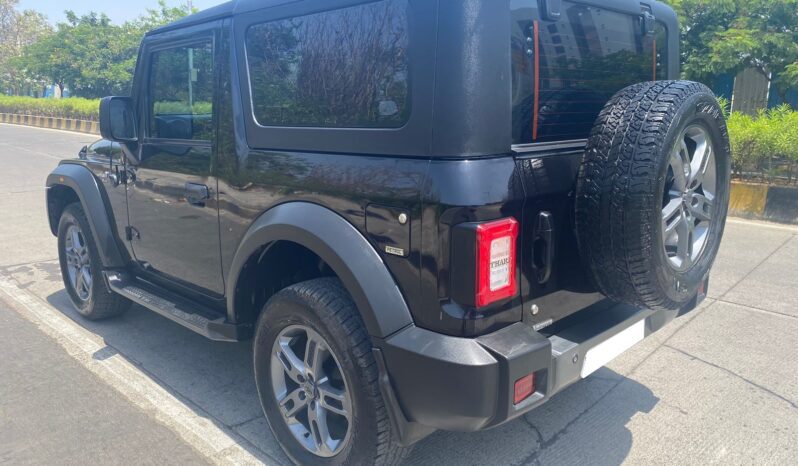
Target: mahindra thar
(426, 214)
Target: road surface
(719, 385)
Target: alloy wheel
(310, 390)
(78, 262)
(689, 198)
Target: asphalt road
(717, 386)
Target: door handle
(197, 194)
(543, 247)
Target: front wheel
(317, 378)
(81, 268)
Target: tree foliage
(726, 36)
(89, 54)
(18, 29)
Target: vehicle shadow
(216, 378)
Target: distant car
(429, 215)
(100, 148)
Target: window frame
(665, 18)
(170, 41)
(411, 139)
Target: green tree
(18, 29)
(92, 56)
(726, 36)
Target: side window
(346, 68)
(181, 93)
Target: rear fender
(343, 248)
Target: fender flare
(83, 182)
(337, 242)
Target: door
(173, 214)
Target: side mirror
(83, 152)
(118, 119)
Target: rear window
(337, 69)
(581, 61)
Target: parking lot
(717, 386)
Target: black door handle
(197, 194)
(543, 260)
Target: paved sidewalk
(54, 411)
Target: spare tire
(653, 193)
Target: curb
(79, 126)
(763, 202)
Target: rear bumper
(442, 382)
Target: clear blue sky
(118, 11)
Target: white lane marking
(220, 444)
(607, 350)
(763, 224)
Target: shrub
(73, 107)
(766, 144)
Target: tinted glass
(584, 58)
(342, 68)
(181, 93)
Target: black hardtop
(231, 8)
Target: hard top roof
(220, 11)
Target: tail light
(524, 387)
(496, 261)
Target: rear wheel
(81, 268)
(317, 378)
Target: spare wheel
(652, 193)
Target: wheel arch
(70, 183)
(341, 247)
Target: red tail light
(496, 261)
(524, 387)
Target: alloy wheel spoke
(677, 165)
(684, 242)
(85, 273)
(80, 285)
(77, 246)
(699, 164)
(701, 207)
(293, 403)
(672, 218)
(317, 417)
(314, 352)
(293, 366)
(333, 399)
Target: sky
(118, 11)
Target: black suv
(427, 214)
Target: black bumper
(441, 382)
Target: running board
(189, 314)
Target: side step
(189, 314)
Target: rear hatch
(566, 64)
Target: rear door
(564, 72)
(172, 206)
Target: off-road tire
(618, 214)
(102, 302)
(325, 306)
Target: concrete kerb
(79, 126)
